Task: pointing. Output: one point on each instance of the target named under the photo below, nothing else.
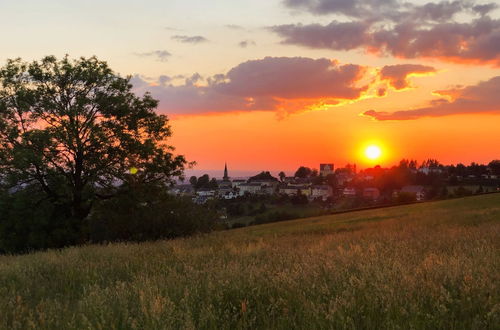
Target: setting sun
(373, 152)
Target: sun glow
(373, 152)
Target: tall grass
(423, 266)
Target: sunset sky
(274, 84)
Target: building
(229, 195)
(226, 176)
(371, 193)
(206, 192)
(182, 190)
(321, 191)
(226, 181)
(418, 191)
(326, 169)
(236, 183)
(294, 190)
(343, 178)
(250, 188)
(349, 192)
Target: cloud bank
(280, 84)
(401, 29)
(481, 98)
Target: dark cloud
(484, 9)
(190, 39)
(160, 55)
(270, 84)
(397, 75)
(401, 29)
(246, 43)
(351, 8)
(437, 11)
(474, 42)
(481, 98)
(338, 36)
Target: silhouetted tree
(494, 167)
(282, 176)
(264, 175)
(77, 123)
(203, 182)
(303, 172)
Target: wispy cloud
(234, 27)
(246, 43)
(160, 55)
(190, 39)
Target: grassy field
(425, 266)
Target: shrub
(405, 197)
(275, 216)
(148, 213)
(238, 225)
(29, 221)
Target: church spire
(226, 177)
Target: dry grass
(422, 266)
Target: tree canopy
(76, 130)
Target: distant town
(344, 187)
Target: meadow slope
(432, 265)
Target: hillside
(432, 265)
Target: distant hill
(432, 265)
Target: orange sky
(242, 80)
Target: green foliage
(274, 216)
(238, 225)
(494, 166)
(29, 221)
(203, 181)
(406, 197)
(462, 191)
(299, 199)
(146, 212)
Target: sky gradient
(274, 84)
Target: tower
(226, 177)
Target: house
(343, 178)
(237, 182)
(429, 170)
(321, 191)
(299, 182)
(349, 192)
(229, 195)
(326, 169)
(200, 200)
(266, 183)
(371, 193)
(293, 190)
(418, 191)
(182, 190)
(250, 188)
(205, 192)
(224, 184)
